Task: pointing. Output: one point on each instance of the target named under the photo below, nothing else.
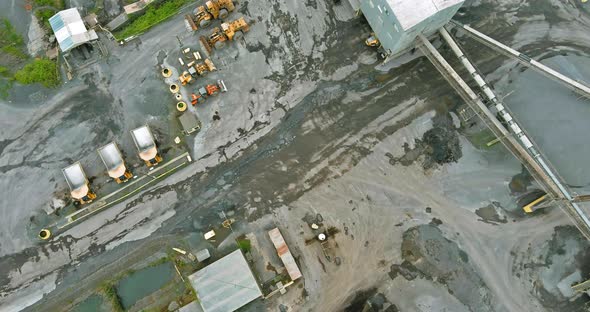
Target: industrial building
(225, 285)
(69, 29)
(397, 23)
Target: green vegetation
(481, 138)
(43, 71)
(155, 14)
(58, 4)
(110, 292)
(11, 42)
(244, 244)
(43, 16)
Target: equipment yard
(270, 127)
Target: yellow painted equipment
(166, 72)
(205, 67)
(531, 206)
(44, 234)
(228, 31)
(372, 41)
(185, 78)
(204, 15)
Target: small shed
(69, 29)
(225, 285)
(189, 123)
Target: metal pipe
(516, 129)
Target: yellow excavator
(228, 31)
(204, 15)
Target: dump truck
(209, 90)
(228, 31)
(203, 15)
(78, 183)
(146, 145)
(113, 160)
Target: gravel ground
(311, 124)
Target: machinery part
(190, 23)
(181, 106)
(195, 98)
(204, 23)
(532, 205)
(227, 223)
(174, 88)
(219, 8)
(181, 61)
(185, 78)
(44, 234)
(178, 96)
(178, 250)
(166, 72)
(372, 41)
(221, 85)
(205, 67)
(219, 44)
(223, 13)
(230, 29)
(202, 17)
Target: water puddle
(93, 303)
(140, 284)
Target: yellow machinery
(204, 15)
(372, 41)
(146, 146)
(113, 160)
(531, 206)
(185, 78)
(205, 67)
(228, 31)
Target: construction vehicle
(146, 146)
(78, 183)
(228, 31)
(113, 161)
(204, 15)
(372, 41)
(209, 90)
(529, 208)
(185, 78)
(202, 69)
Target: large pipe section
(525, 60)
(513, 125)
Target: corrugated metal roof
(225, 285)
(410, 13)
(284, 253)
(69, 29)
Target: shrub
(43, 71)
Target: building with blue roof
(69, 29)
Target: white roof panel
(77, 27)
(225, 285)
(410, 13)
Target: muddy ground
(427, 220)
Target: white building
(397, 23)
(69, 29)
